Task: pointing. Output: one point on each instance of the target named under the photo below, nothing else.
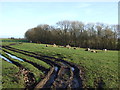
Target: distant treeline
(75, 33)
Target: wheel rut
(67, 75)
(28, 76)
(43, 69)
(50, 74)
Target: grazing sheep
(54, 45)
(61, 46)
(74, 48)
(68, 46)
(105, 50)
(88, 49)
(46, 45)
(20, 42)
(94, 51)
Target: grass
(7, 43)
(39, 62)
(9, 78)
(102, 65)
(12, 40)
(37, 73)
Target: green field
(10, 70)
(10, 78)
(95, 66)
(13, 40)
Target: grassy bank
(97, 66)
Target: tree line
(76, 33)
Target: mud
(66, 75)
(28, 77)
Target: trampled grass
(96, 66)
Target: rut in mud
(43, 69)
(52, 76)
(4, 58)
(67, 74)
(28, 77)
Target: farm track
(43, 69)
(28, 77)
(35, 85)
(53, 74)
(64, 78)
(73, 76)
(31, 55)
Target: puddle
(52, 78)
(5, 58)
(56, 69)
(14, 57)
(75, 83)
(72, 68)
(44, 72)
(65, 64)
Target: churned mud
(62, 75)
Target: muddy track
(43, 69)
(73, 76)
(51, 77)
(33, 85)
(68, 77)
(53, 74)
(28, 77)
(16, 63)
(32, 55)
(64, 78)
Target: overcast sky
(17, 17)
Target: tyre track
(43, 69)
(75, 80)
(28, 76)
(48, 83)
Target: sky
(17, 17)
